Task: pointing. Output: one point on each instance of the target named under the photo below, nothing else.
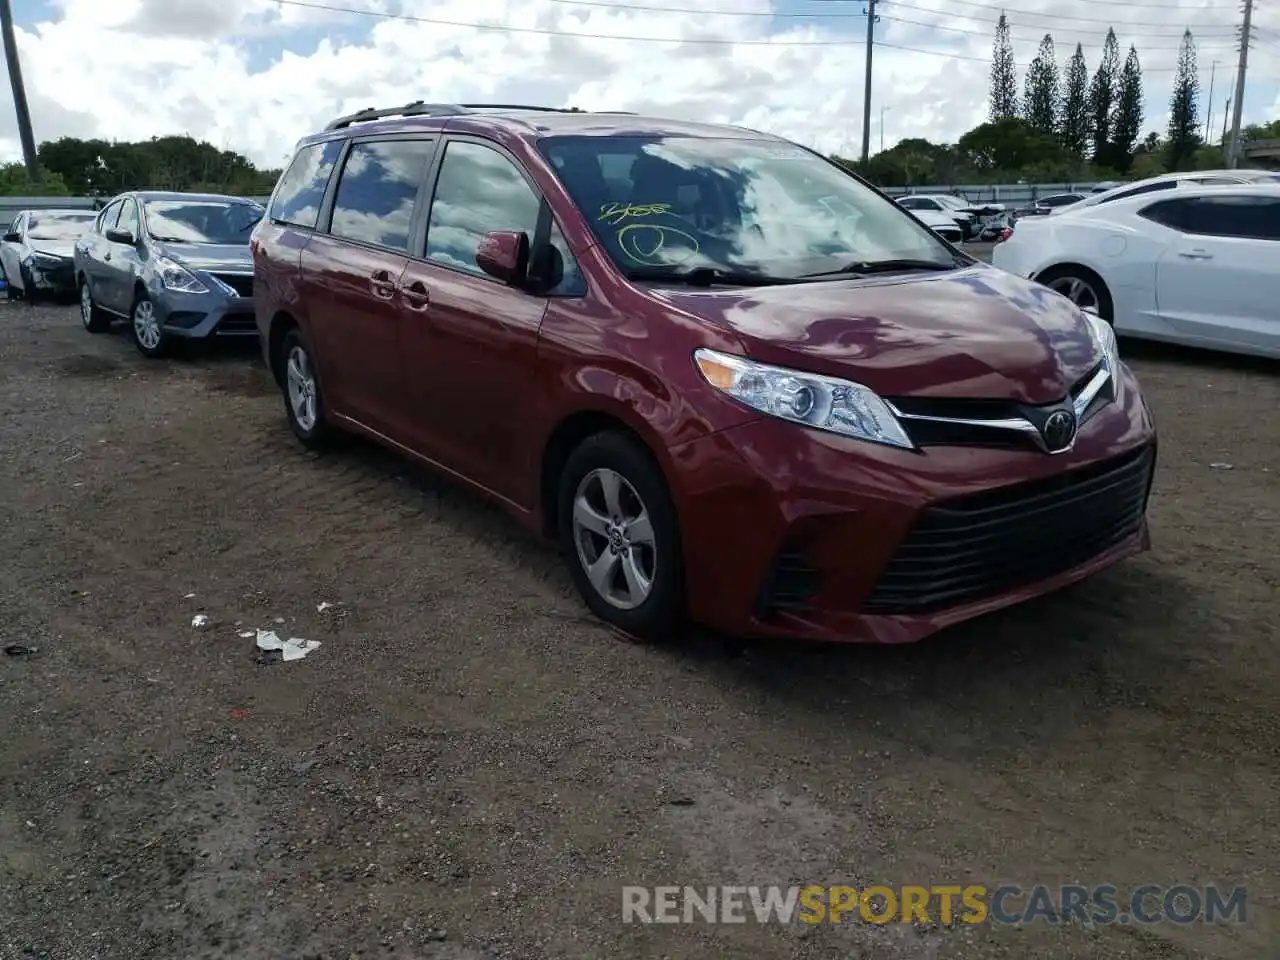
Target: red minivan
(738, 384)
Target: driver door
(10, 253)
(95, 249)
(120, 262)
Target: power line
(987, 60)
(1087, 46)
(1106, 3)
(1014, 12)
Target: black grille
(790, 585)
(974, 547)
(238, 323)
(242, 285)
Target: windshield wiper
(164, 239)
(704, 276)
(868, 267)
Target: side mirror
(504, 255)
(13, 238)
(120, 236)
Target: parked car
(1197, 265)
(736, 381)
(940, 223)
(970, 217)
(1041, 206)
(35, 254)
(175, 265)
(1171, 181)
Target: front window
(732, 205)
(202, 221)
(61, 227)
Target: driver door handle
(416, 296)
(382, 285)
(1196, 254)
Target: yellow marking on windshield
(643, 242)
(617, 212)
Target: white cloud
(133, 69)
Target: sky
(255, 75)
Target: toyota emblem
(1059, 430)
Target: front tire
(95, 319)
(620, 536)
(148, 335)
(29, 288)
(303, 400)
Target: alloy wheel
(614, 538)
(301, 384)
(145, 324)
(86, 305)
(1078, 291)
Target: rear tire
(94, 318)
(620, 536)
(303, 398)
(1082, 287)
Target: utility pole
(19, 93)
(1234, 157)
(866, 95)
(1208, 116)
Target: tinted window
(16, 226)
(1211, 182)
(478, 191)
(377, 190)
(129, 217)
(301, 189)
(763, 206)
(1256, 218)
(916, 203)
(63, 226)
(1137, 191)
(202, 221)
(571, 282)
(1061, 200)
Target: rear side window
(301, 189)
(1147, 188)
(1243, 217)
(377, 191)
(478, 191)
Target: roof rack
(419, 108)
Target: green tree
(1184, 114)
(1102, 97)
(1126, 121)
(1004, 80)
(1075, 119)
(16, 182)
(1012, 147)
(1043, 90)
(102, 168)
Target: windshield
(63, 226)
(733, 206)
(951, 202)
(202, 221)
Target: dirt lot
(470, 768)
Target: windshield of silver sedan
(732, 207)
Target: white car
(1171, 181)
(946, 205)
(940, 223)
(1198, 265)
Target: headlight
(1105, 339)
(175, 277)
(46, 260)
(825, 403)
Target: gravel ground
(469, 767)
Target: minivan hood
(54, 248)
(209, 256)
(977, 332)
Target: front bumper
(196, 316)
(49, 277)
(790, 532)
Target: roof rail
(416, 109)
(517, 106)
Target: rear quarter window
(301, 189)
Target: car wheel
(1082, 287)
(619, 534)
(28, 287)
(95, 319)
(303, 401)
(148, 336)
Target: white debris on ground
(200, 620)
(295, 648)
